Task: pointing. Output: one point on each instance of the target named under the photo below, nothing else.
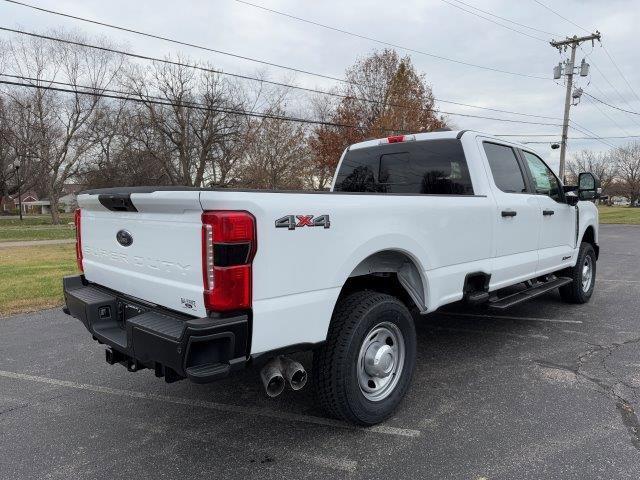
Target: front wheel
(364, 369)
(583, 276)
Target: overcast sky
(431, 26)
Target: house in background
(33, 205)
(9, 204)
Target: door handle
(509, 213)
(548, 212)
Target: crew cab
(197, 282)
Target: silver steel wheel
(587, 273)
(380, 361)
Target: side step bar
(528, 294)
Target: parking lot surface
(544, 390)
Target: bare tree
(276, 155)
(602, 165)
(118, 157)
(7, 168)
(187, 115)
(58, 123)
(627, 159)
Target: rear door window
(435, 167)
(505, 168)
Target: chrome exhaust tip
(272, 377)
(295, 373)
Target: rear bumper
(144, 336)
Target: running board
(528, 294)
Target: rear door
(147, 245)
(517, 217)
(558, 229)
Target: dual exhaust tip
(278, 372)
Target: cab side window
(544, 180)
(505, 168)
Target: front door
(517, 218)
(558, 231)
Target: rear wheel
(364, 368)
(583, 276)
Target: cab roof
(437, 135)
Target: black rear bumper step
(144, 336)
(529, 293)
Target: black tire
(574, 291)
(335, 372)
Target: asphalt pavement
(544, 390)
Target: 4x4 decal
(296, 221)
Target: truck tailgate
(163, 262)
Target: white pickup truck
(197, 283)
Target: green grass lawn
(626, 215)
(31, 277)
(35, 228)
(28, 220)
(36, 232)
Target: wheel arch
(589, 236)
(393, 270)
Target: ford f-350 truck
(197, 283)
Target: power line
(172, 62)
(610, 105)
(131, 95)
(248, 77)
(505, 19)
(117, 94)
(566, 121)
(572, 62)
(586, 131)
(604, 48)
(382, 42)
(511, 112)
(526, 135)
(570, 138)
(622, 98)
(243, 57)
(562, 17)
(485, 18)
(611, 119)
(620, 71)
(195, 106)
(178, 42)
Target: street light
(19, 191)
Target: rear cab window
(429, 167)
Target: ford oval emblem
(124, 238)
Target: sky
(436, 27)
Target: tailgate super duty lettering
(137, 260)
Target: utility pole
(19, 190)
(573, 43)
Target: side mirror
(588, 186)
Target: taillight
(76, 221)
(228, 247)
